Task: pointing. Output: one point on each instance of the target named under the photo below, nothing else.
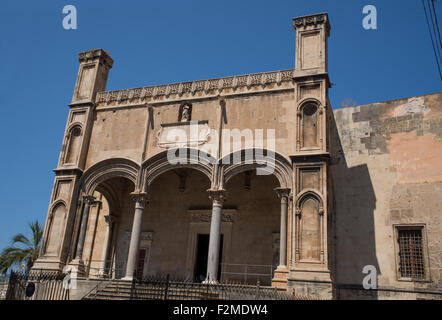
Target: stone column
(283, 194)
(140, 199)
(217, 197)
(88, 200)
(107, 242)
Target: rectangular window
(411, 253)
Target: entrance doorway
(202, 252)
(140, 263)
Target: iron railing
(247, 273)
(168, 288)
(230, 272)
(37, 285)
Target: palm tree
(27, 253)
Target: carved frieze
(205, 216)
(145, 235)
(202, 87)
(311, 20)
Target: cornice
(314, 19)
(250, 83)
(96, 54)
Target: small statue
(185, 116)
(185, 112)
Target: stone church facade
(250, 178)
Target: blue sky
(169, 41)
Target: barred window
(411, 256)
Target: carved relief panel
(55, 229)
(55, 226)
(73, 145)
(72, 149)
(310, 127)
(309, 220)
(310, 225)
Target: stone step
(123, 290)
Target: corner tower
(310, 252)
(64, 210)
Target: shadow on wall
(352, 223)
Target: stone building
(247, 178)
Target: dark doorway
(202, 252)
(140, 263)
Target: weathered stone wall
(386, 170)
(119, 131)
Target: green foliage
(23, 250)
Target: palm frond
(11, 256)
(27, 253)
(37, 234)
(20, 238)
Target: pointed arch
(176, 158)
(104, 170)
(266, 161)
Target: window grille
(411, 256)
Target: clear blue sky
(155, 42)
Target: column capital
(283, 192)
(88, 199)
(141, 198)
(218, 196)
(110, 219)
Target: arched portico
(265, 162)
(107, 178)
(101, 178)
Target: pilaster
(309, 271)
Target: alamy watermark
(70, 280)
(370, 21)
(70, 20)
(245, 146)
(370, 280)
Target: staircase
(126, 290)
(166, 289)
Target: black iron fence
(55, 286)
(38, 285)
(168, 288)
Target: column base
(210, 282)
(48, 264)
(280, 277)
(77, 268)
(314, 283)
(103, 274)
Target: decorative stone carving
(110, 219)
(174, 88)
(206, 87)
(311, 20)
(91, 55)
(140, 198)
(89, 199)
(144, 236)
(185, 112)
(217, 196)
(204, 216)
(183, 134)
(283, 193)
(187, 87)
